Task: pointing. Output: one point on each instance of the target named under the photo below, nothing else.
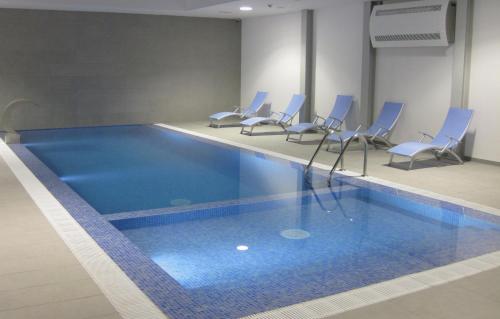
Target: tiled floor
(40, 278)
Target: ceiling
(196, 8)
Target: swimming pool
(273, 242)
(130, 168)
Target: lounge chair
(250, 111)
(282, 119)
(337, 116)
(378, 131)
(446, 141)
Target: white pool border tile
(368, 295)
(129, 301)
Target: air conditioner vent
(409, 37)
(413, 24)
(389, 12)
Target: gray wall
(101, 68)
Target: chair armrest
(249, 114)
(285, 114)
(381, 131)
(424, 135)
(452, 139)
(334, 120)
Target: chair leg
(455, 155)
(391, 159)
(251, 130)
(341, 154)
(411, 163)
(386, 142)
(287, 137)
(300, 138)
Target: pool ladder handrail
(343, 148)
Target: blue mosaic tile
(374, 256)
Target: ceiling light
(246, 8)
(242, 248)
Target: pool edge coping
(376, 180)
(125, 296)
(379, 292)
(109, 277)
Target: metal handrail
(327, 133)
(7, 108)
(340, 158)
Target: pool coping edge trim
(383, 291)
(131, 302)
(128, 299)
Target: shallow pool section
(276, 253)
(141, 167)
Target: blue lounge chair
(446, 141)
(379, 131)
(250, 111)
(337, 116)
(282, 119)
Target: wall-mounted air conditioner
(413, 24)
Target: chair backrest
(340, 109)
(455, 125)
(256, 104)
(293, 107)
(387, 118)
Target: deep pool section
(142, 167)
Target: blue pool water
(131, 168)
(290, 240)
(347, 239)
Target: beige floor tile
(42, 277)
(112, 316)
(51, 293)
(84, 308)
(57, 259)
(448, 301)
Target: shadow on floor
(306, 142)
(266, 133)
(422, 164)
(225, 125)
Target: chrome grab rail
(327, 133)
(362, 138)
(11, 136)
(343, 149)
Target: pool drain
(295, 234)
(180, 202)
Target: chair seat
(345, 135)
(255, 120)
(223, 115)
(301, 128)
(410, 149)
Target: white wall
(485, 80)
(338, 36)
(270, 58)
(420, 78)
